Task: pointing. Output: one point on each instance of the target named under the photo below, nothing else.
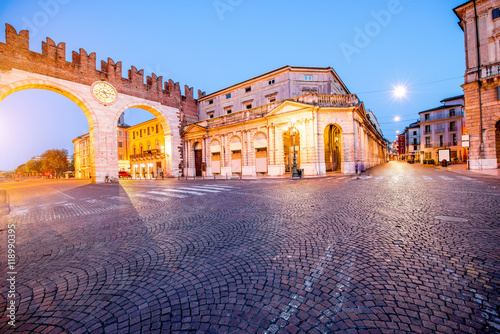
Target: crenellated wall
(21, 68)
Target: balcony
(453, 128)
(153, 154)
(443, 115)
(338, 101)
(490, 71)
(428, 132)
(440, 130)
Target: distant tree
(34, 166)
(21, 169)
(55, 161)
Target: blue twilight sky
(373, 45)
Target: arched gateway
(103, 95)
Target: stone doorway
(332, 148)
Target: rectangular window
(228, 96)
(120, 157)
(452, 112)
(211, 102)
(441, 141)
(120, 144)
(249, 106)
(414, 133)
(308, 77)
(156, 128)
(228, 111)
(211, 116)
(272, 82)
(496, 13)
(427, 117)
(120, 133)
(133, 135)
(453, 126)
(148, 131)
(248, 89)
(272, 99)
(454, 139)
(427, 141)
(415, 147)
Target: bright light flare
(397, 119)
(400, 91)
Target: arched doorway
(198, 157)
(332, 137)
(291, 139)
(497, 142)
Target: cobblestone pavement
(403, 249)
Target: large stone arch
(54, 86)
(171, 133)
(21, 68)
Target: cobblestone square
(402, 249)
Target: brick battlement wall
(15, 54)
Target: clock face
(104, 92)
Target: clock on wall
(104, 92)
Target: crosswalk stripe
(427, 178)
(147, 196)
(201, 189)
(446, 178)
(184, 191)
(216, 186)
(166, 194)
(465, 178)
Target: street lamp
(295, 172)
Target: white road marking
(217, 186)
(147, 196)
(166, 194)
(427, 178)
(465, 178)
(446, 178)
(184, 191)
(201, 189)
(61, 193)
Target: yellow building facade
(147, 150)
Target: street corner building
(260, 126)
(480, 21)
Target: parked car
(123, 173)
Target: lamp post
(295, 172)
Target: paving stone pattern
(379, 254)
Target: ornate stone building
(480, 21)
(259, 125)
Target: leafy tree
(34, 166)
(55, 161)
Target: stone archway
(333, 144)
(21, 68)
(289, 141)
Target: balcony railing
(442, 115)
(440, 130)
(490, 71)
(146, 155)
(453, 128)
(339, 101)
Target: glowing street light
(400, 91)
(396, 118)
